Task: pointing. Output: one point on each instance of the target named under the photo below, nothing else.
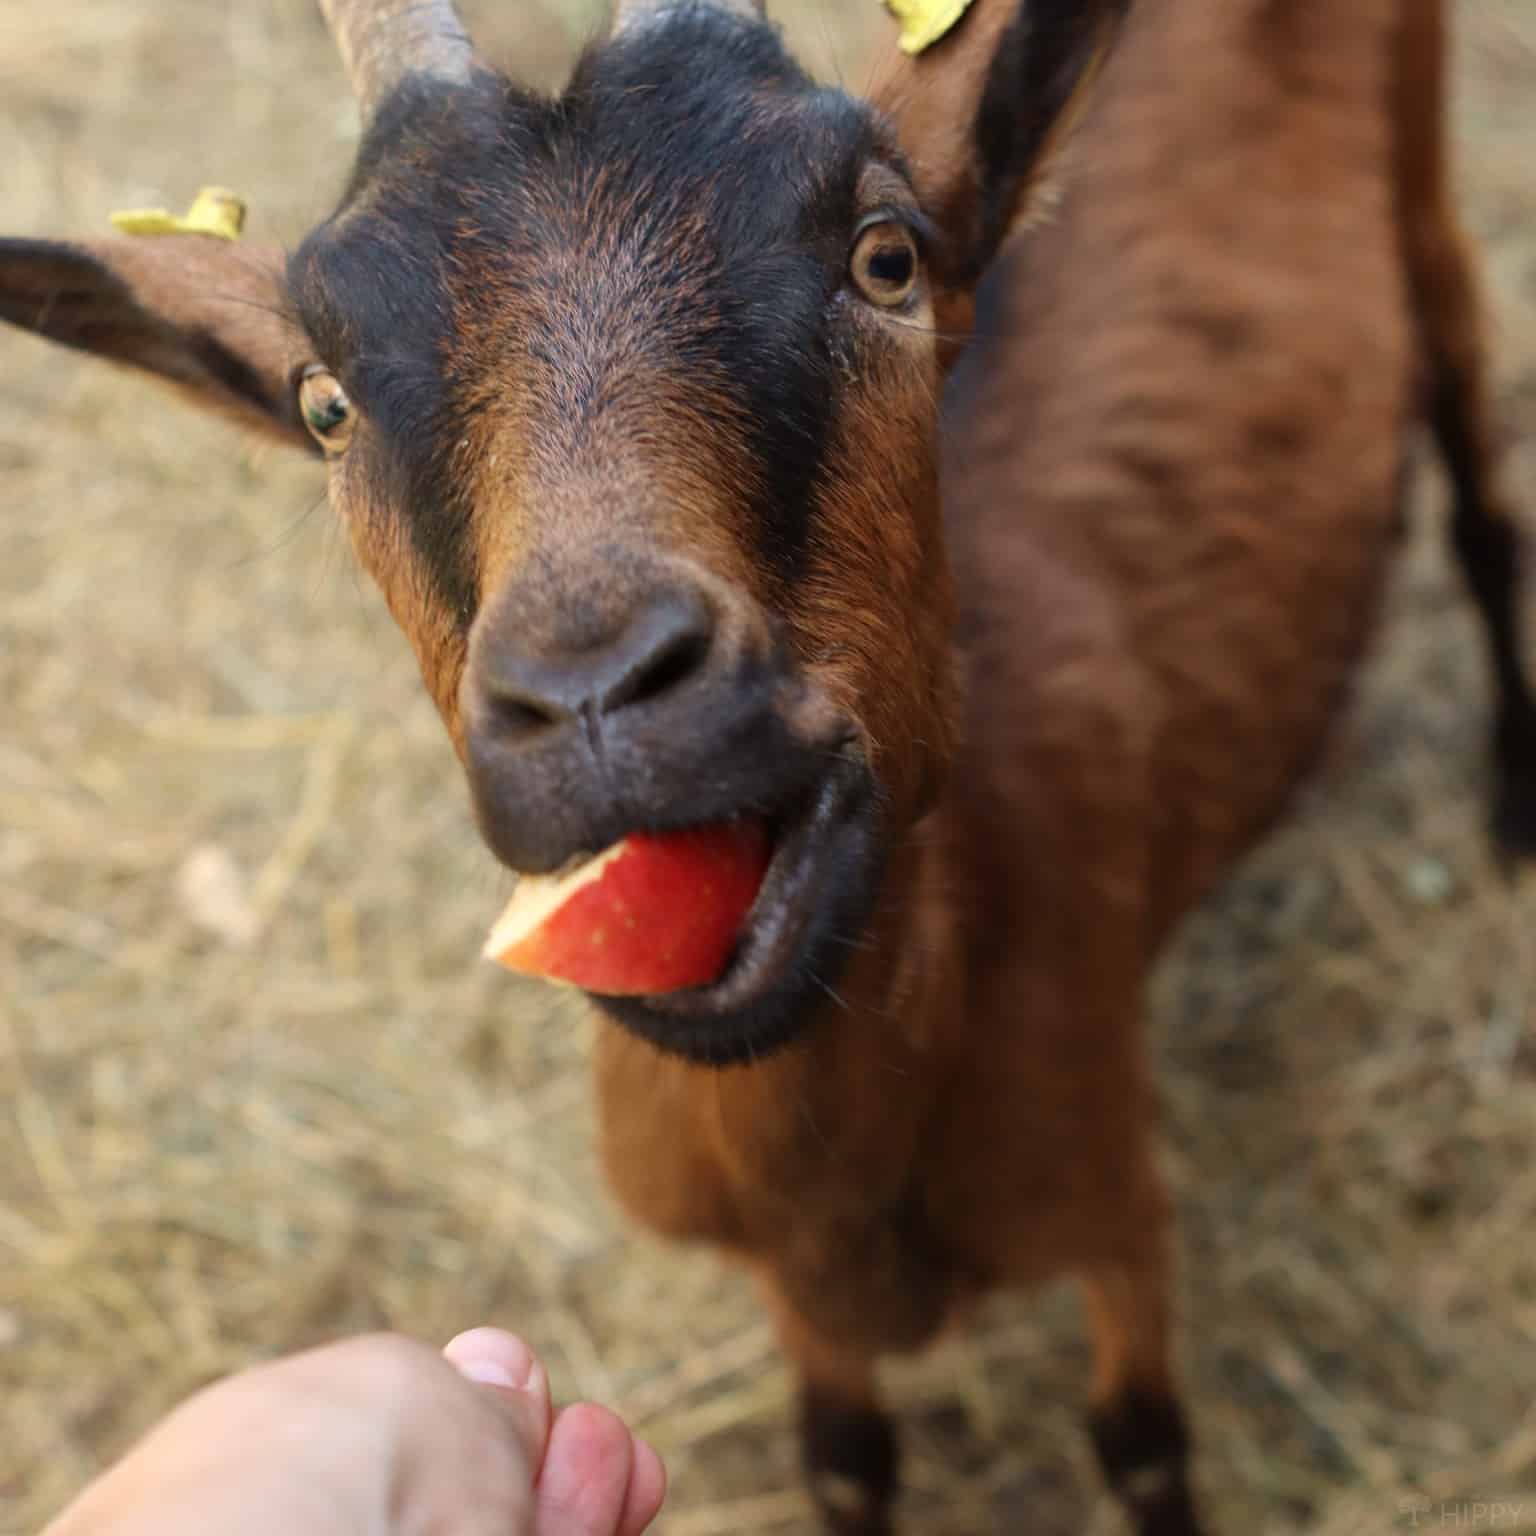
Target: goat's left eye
(327, 411)
(884, 265)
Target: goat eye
(884, 265)
(326, 410)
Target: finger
(494, 1358)
(586, 1476)
(647, 1490)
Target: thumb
(514, 1376)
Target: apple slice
(652, 914)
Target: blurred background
(257, 1090)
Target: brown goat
(632, 404)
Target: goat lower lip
(781, 898)
(762, 999)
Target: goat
(631, 402)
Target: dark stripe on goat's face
(369, 286)
(528, 282)
(729, 190)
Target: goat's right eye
(326, 410)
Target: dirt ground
(255, 1090)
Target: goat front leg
(1137, 1425)
(847, 1441)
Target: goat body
(1174, 459)
(1172, 464)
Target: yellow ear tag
(924, 22)
(214, 211)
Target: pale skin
(381, 1436)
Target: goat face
(630, 400)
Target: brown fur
(137, 302)
(1171, 468)
(1170, 508)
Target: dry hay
(254, 1090)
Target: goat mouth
(794, 942)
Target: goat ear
(204, 315)
(982, 111)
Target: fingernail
(500, 1360)
(491, 1373)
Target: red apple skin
(663, 914)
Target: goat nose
(659, 646)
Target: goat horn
(382, 41)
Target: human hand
(381, 1436)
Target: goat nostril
(659, 672)
(520, 715)
(527, 695)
